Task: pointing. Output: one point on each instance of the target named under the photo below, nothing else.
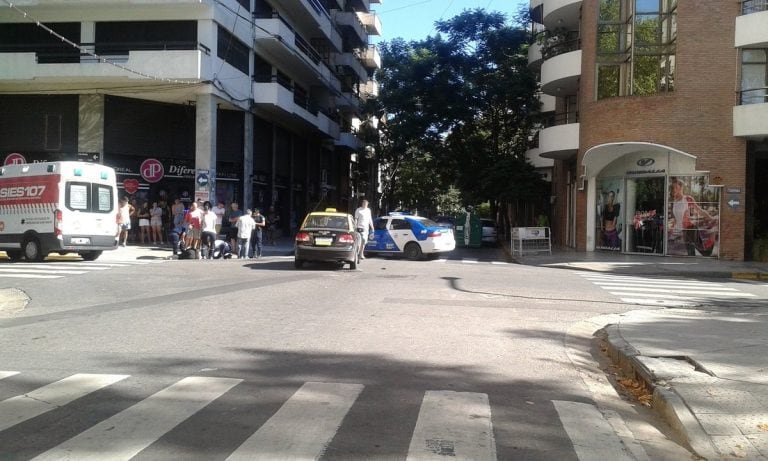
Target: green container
(468, 230)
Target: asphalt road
(468, 357)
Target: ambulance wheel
(412, 251)
(14, 255)
(32, 250)
(90, 255)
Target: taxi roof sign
(330, 210)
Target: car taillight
(303, 237)
(346, 238)
(58, 218)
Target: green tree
(460, 108)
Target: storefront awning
(598, 157)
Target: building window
(754, 76)
(233, 51)
(636, 42)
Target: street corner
(12, 301)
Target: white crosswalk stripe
(450, 425)
(55, 269)
(663, 291)
(303, 426)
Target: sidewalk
(283, 247)
(708, 369)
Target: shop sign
(152, 170)
(645, 165)
(14, 159)
(131, 185)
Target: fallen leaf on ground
(763, 427)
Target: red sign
(15, 159)
(28, 190)
(152, 170)
(131, 185)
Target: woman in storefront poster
(692, 228)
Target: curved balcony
(562, 13)
(547, 102)
(534, 158)
(559, 142)
(560, 74)
(749, 119)
(752, 30)
(535, 58)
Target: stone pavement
(708, 368)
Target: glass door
(645, 215)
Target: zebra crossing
(668, 292)
(60, 269)
(450, 424)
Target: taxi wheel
(412, 251)
(353, 264)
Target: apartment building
(657, 124)
(254, 101)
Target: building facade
(656, 119)
(252, 101)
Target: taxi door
(382, 240)
(401, 232)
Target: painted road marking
(23, 407)
(305, 424)
(592, 436)
(127, 433)
(453, 425)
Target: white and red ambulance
(61, 207)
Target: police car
(411, 236)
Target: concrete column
(247, 161)
(273, 167)
(205, 145)
(90, 129)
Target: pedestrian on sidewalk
(156, 223)
(208, 227)
(219, 210)
(259, 223)
(124, 221)
(244, 225)
(364, 223)
(193, 219)
(273, 219)
(229, 222)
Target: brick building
(656, 120)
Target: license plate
(81, 241)
(323, 241)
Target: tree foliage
(460, 107)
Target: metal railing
(753, 96)
(557, 44)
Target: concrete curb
(666, 402)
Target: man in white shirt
(219, 211)
(245, 225)
(208, 229)
(364, 223)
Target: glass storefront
(648, 203)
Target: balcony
(534, 158)
(348, 101)
(547, 102)
(370, 89)
(534, 55)
(169, 64)
(310, 15)
(371, 22)
(749, 117)
(349, 21)
(351, 61)
(752, 28)
(562, 13)
(277, 100)
(559, 142)
(349, 140)
(560, 74)
(277, 40)
(371, 57)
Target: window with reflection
(754, 76)
(635, 47)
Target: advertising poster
(609, 217)
(693, 217)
